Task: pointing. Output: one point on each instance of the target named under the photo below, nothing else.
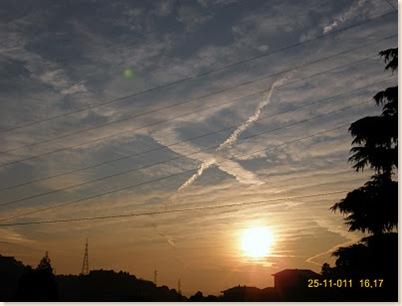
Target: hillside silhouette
(19, 282)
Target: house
(293, 279)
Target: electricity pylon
(85, 263)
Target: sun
(256, 242)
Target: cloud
(235, 169)
(350, 13)
(76, 88)
(56, 78)
(164, 7)
(209, 3)
(13, 237)
(192, 16)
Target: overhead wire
(162, 212)
(99, 139)
(191, 78)
(134, 115)
(162, 178)
(131, 170)
(205, 134)
(200, 75)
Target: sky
(219, 115)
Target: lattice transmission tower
(85, 262)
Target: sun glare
(256, 242)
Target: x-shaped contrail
(217, 158)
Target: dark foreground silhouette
(23, 283)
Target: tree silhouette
(197, 297)
(38, 284)
(373, 208)
(44, 265)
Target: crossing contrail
(204, 166)
(236, 133)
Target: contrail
(204, 166)
(351, 238)
(348, 14)
(169, 239)
(254, 117)
(236, 133)
(330, 251)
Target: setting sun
(256, 242)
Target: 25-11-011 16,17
(344, 283)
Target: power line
(143, 34)
(131, 170)
(174, 158)
(167, 146)
(200, 75)
(391, 5)
(161, 178)
(153, 213)
(134, 115)
(207, 11)
(167, 120)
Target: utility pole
(179, 286)
(155, 277)
(85, 262)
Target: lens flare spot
(128, 73)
